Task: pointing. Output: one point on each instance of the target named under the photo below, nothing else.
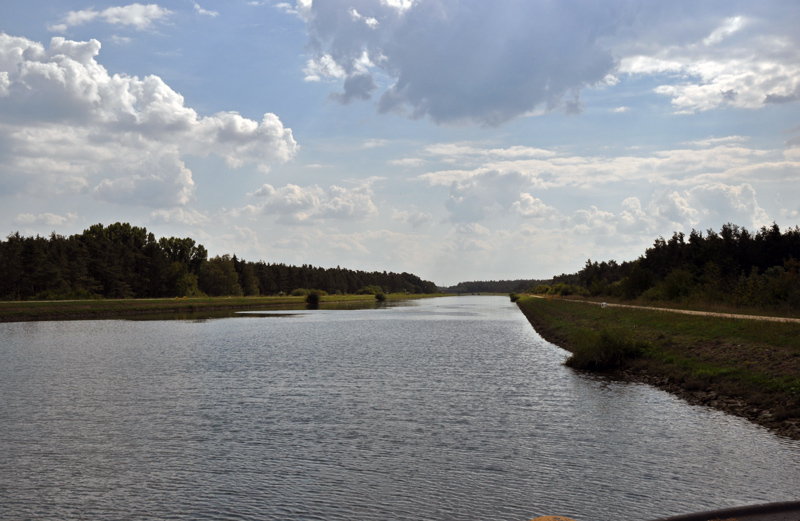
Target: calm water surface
(449, 408)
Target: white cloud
(488, 194)
(400, 5)
(704, 206)
(675, 209)
(158, 181)
(138, 16)
(5, 83)
(720, 203)
(592, 222)
(374, 143)
(45, 219)
(370, 22)
(306, 205)
(415, 218)
(475, 151)
(408, 162)
(732, 67)
(728, 27)
(179, 216)
(204, 12)
(533, 208)
(323, 66)
(716, 141)
(69, 125)
(715, 159)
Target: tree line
(493, 286)
(124, 261)
(735, 267)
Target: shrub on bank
(604, 350)
(314, 297)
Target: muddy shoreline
(737, 406)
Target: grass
(753, 360)
(11, 311)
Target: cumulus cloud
(158, 181)
(707, 205)
(533, 208)
(306, 205)
(702, 184)
(593, 222)
(484, 195)
(69, 124)
(138, 16)
(719, 203)
(460, 62)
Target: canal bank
(746, 368)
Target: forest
(493, 286)
(733, 266)
(124, 261)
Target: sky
(457, 140)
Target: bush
(514, 297)
(566, 289)
(370, 290)
(604, 350)
(314, 296)
(380, 296)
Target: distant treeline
(124, 261)
(493, 286)
(734, 267)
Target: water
(450, 408)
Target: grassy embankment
(747, 367)
(11, 311)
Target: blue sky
(458, 140)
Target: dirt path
(685, 311)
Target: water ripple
(445, 409)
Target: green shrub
(380, 296)
(514, 296)
(604, 350)
(314, 296)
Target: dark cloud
(468, 62)
(460, 61)
(780, 99)
(357, 86)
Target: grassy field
(11, 311)
(750, 362)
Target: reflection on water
(448, 408)
(271, 311)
